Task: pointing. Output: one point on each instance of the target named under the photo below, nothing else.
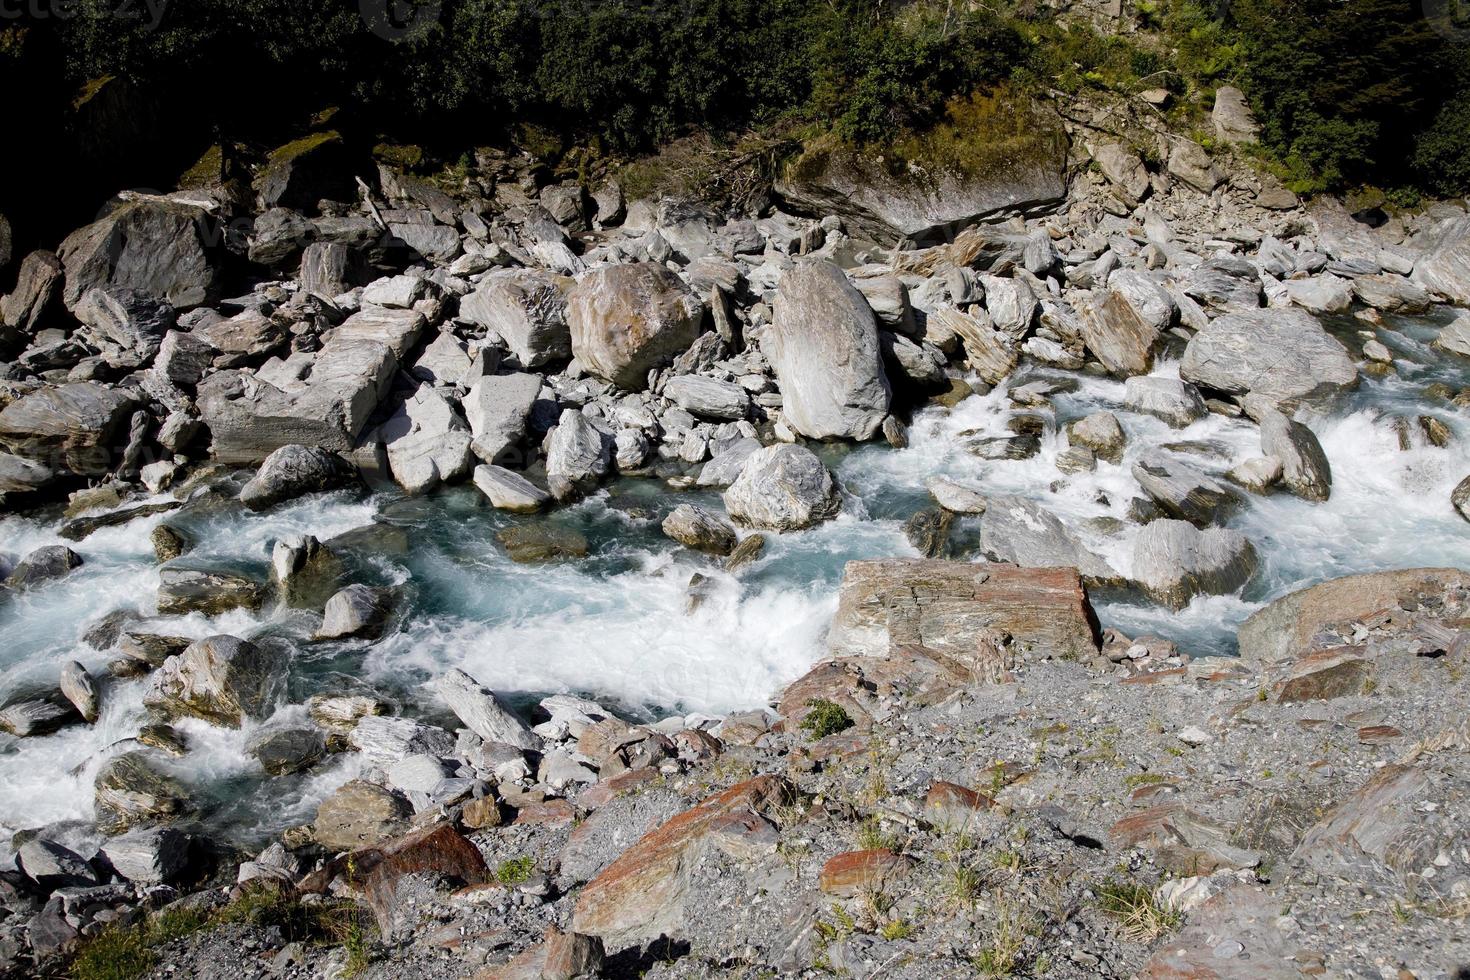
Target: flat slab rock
(950, 605)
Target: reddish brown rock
(438, 849)
(1378, 734)
(607, 790)
(559, 956)
(1182, 841)
(1324, 675)
(1379, 828)
(858, 872)
(551, 813)
(951, 806)
(641, 895)
(949, 606)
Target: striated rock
(153, 856)
(853, 873)
(928, 531)
(293, 471)
(483, 712)
(222, 679)
(358, 611)
(1284, 630)
(36, 286)
(783, 488)
(1183, 491)
(186, 590)
(1323, 675)
(45, 564)
(954, 808)
(526, 308)
(1304, 466)
(947, 605)
(1124, 169)
(1383, 830)
(126, 325)
(51, 865)
(1182, 841)
(1460, 498)
(184, 358)
(1257, 475)
(958, 497)
(74, 427)
(1101, 433)
(1123, 327)
(1444, 263)
(132, 792)
(1175, 402)
(27, 714)
(708, 398)
(384, 741)
(724, 468)
(1234, 122)
(427, 442)
(629, 319)
(1280, 354)
(359, 814)
(1022, 532)
(1191, 163)
(283, 751)
(437, 850)
(642, 895)
(1454, 336)
(510, 491)
(992, 354)
(80, 688)
(577, 456)
(157, 247)
(1173, 561)
(329, 269)
(694, 527)
(823, 346)
(498, 409)
(305, 571)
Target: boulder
(725, 466)
(1304, 467)
(277, 236)
(959, 498)
(708, 398)
(694, 527)
(75, 427)
(854, 873)
(48, 562)
(1234, 122)
(184, 358)
(359, 814)
(1285, 629)
(132, 791)
(498, 408)
(823, 346)
(158, 247)
(1173, 561)
(305, 571)
(535, 543)
(992, 354)
(1022, 169)
(301, 173)
(510, 491)
(329, 269)
(1170, 399)
(356, 611)
(31, 713)
(293, 471)
(150, 856)
(1443, 266)
(186, 590)
(1454, 336)
(222, 679)
(783, 488)
(1022, 532)
(629, 319)
(398, 330)
(283, 751)
(1191, 164)
(577, 456)
(527, 308)
(1124, 169)
(1460, 498)
(51, 865)
(1123, 326)
(80, 688)
(427, 442)
(1183, 491)
(1101, 433)
(483, 712)
(1257, 475)
(36, 287)
(1320, 294)
(948, 606)
(1281, 354)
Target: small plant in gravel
(872, 837)
(516, 871)
(825, 718)
(1143, 917)
(896, 929)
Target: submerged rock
(783, 488)
(1173, 561)
(282, 751)
(222, 679)
(542, 542)
(131, 791)
(958, 497)
(1183, 491)
(293, 471)
(1172, 400)
(697, 528)
(186, 590)
(356, 611)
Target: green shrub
(824, 718)
(516, 871)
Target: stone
(708, 398)
(643, 894)
(483, 712)
(36, 286)
(628, 319)
(1320, 294)
(47, 563)
(150, 856)
(1383, 827)
(398, 330)
(1101, 433)
(329, 269)
(1323, 675)
(416, 774)
(1174, 401)
(510, 491)
(1191, 164)
(395, 292)
(1022, 532)
(578, 456)
(498, 409)
(51, 865)
(356, 612)
(960, 498)
(359, 814)
(1443, 266)
(1232, 117)
(1304, 467)
(223, 679)
(29, 713)
(168, 543)
(526, 308)
(74, 427)
(1173, 561)
(186, 590)
(1181, 841)
(1460, 498)
(126, 325)
(1284, 630)
(437, 850)
(1124, 325)
(1185, 492)
(1258, 475)
(954, 808)
(277, 236)
(160, 248)
(1124, 169)
(723, 469)
(694, 527)
(131, 791)
(1454, 336)
(1281, 354)
(427, 442)
(991, 354)
(383, 740)
(282, 751)
(783, 488)
(536, 543)
(293, 471)
(854, 873)
(823, 346)
(302, 172)
(947, 606)
(928, 531)
(80, 528)
(81, 690)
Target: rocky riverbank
(980, 777)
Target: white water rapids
(615, 626)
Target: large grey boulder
(1454, 336)
(44, 564)
(1023, 171)
(823, 346)
(1444, 261)
(150, 856)
(1191, 164)
(724, 467)
(427, 442)
(1304, 467)
(1173, 561)
(126, 325)
(694, 527)
(356, 611)
(629, 319)
(285, 750)
(1123, 324)
(328, 406)
(157, 247)
(1124, 169)
(1233, 119)
(1021, 531)
(51, 865)
(578, 456)
(398, 329)
(1170, 399)
(527, 308)
(509, 491)
(359, 814)
(783, 488)
(223, 679)
(184, 358)
(293, 471)
(1282, 354)
(36, 286)
(483, 712)
(708, 398)
(329, 269)
(1183, 491)
(498, 408)
(75, 427)
(305, 571)
(80, 688)
(131, 790)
